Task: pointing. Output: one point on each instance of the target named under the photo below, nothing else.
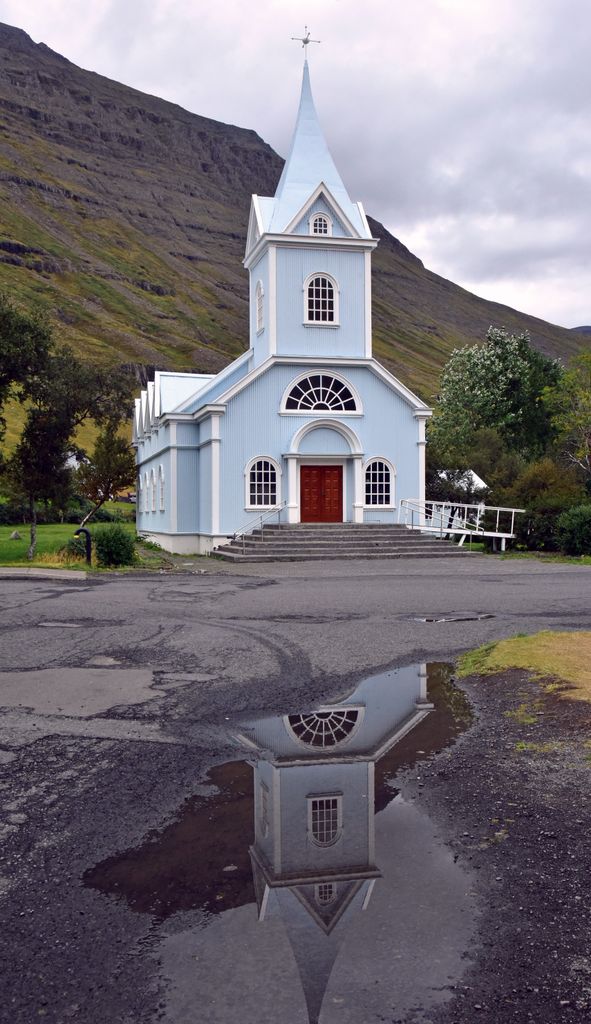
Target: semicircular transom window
(321, 393)
(324, 728)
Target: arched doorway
(324, 473)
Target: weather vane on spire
(305, 40)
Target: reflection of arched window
(325, 819)
(262, 484)
(324, 728)
(321, 300)
(260, 313)
(379, 483)
(325, 893)
(264, 808)
(321, 392)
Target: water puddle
(304, 888)
(60, 625)
(453, 618)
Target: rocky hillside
(126, 215)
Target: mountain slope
(126, 215)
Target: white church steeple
(308, 253)
(310, 165)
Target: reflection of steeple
(313, 857)
(314, 950)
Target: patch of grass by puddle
(565, 657)
(538, 748)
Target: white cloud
(462, 126)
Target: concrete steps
(306, 542)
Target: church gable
(322, 217)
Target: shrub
(546, 490)
(74, 549)
(114, 545)
(574, 530)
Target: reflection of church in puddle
(313, 856)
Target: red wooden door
(321, 494)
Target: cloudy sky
(463, 125)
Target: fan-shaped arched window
(324, 728)
(321, 300)
(379, 483)
(262, 478)
(260, 310)
(320, 225)
(320, 392)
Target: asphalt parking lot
(116, 693)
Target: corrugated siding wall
(252, 427)
(293, 338)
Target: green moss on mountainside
(125, 216)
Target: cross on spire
(305, 39)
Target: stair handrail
(252, 523)
(461, 517)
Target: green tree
(25, 343)
(38, 467)
(568, 403)
(62, 395)
(496, 385)
(110, 467)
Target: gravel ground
(513, 799)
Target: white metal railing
(446, 518)
(253, 523)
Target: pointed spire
(308, 165)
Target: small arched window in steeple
(320, 225)
(259, 303)
(321, 300)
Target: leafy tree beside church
(497, 386)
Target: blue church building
(306, 422)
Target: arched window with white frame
(146, 492)
(380, 478)
(153, 490)
(321, 300)
(161, 491)
(260, 306)
(320, 392)
(320, 224)
(263, 480)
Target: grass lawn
(49, 539)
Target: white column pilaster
(272, 300)
(368, 323)
(293, 504)
(358, 495)
(174, 505)
(215, 473)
